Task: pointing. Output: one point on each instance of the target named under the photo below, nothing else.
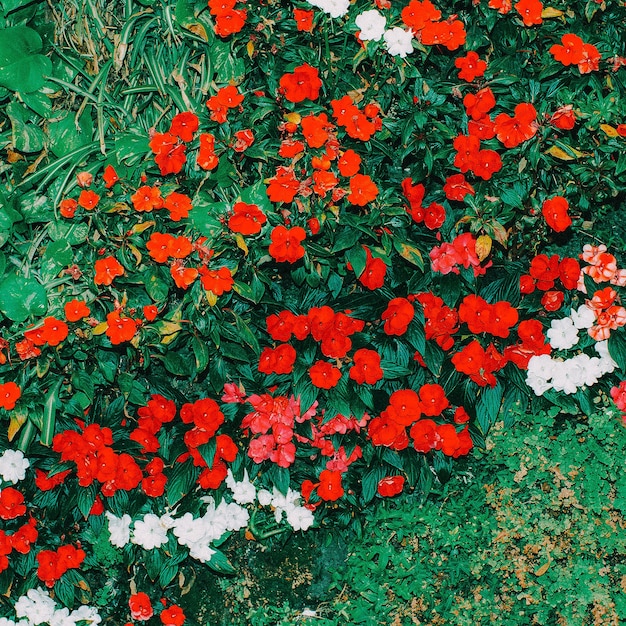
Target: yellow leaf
(483, 247)
(540, 571)
(140, 227)
(568, 155)
(167, 330)
(293, 118)
(100, 329)
(549, 12)
(211, 297)
(609, 130)
(197, 29)
(250, 48)
(135, 252)
(241, 243)
(411, 254)
(17, 420)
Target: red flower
(278, 360)
(304, 20)
(109, 176)
(247, 219)
(404, 407)
(169, 154)
(397, 316)
(302, 84)
(569, 272)
(88, 199)
(207, 159)
(366, 368)
(67, 207)
(390, 486)
(362, 190)
(479, 104)
(373, 275)
(471, 66)
(571, 50)
(107, 270)
(512, 131)
(11, 503)
(75, 310)
(324, 375)
(178, 205)
(230, 23)
(552, 300)
(243, 140)
(590, 61)
(217, 281)
(433, 400)
(554, 211)
(172, 616)
(120, 328)
(456, 187)
(286, 244)
(424, 435)
(544, 270)
(284, 186)
(330, 488)
(184, 125)
(280, 326)
(140, 607)
(349, 163)
(417, 14)
(530, 11)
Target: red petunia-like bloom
(178, 205)
(107, 270)
(75, 310)
(217, 281)
(397, 316)
(373, 275)
(530, 11)
(330, 487)
(324, 375)
(286, 244)
(366, 368)
(390, 486)
(11, 503)
(362, 190)
(570, 52)
(247, 219)
(277, 360)
(120, 328)
(172, 616)
(302, 84)
(284, 186)
(512, 131)
(184, 125)
(555, 212)
(140, 607)
(304, 20)
(470, 66)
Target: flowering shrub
(316, 283)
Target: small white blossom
(538, 384)
(119, 529)
(562, 334)
(540, 366)
(87, 614)
(149, 533)
(264, 497)
(13, 466)
(243, 492)
(300, 518)
(334, 8)
(371, 24)
(36, 606)
(584, 317)
(399, 42)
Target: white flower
(119, 529)
(562, 334)
(300, 518)
(538, 384)
(244, 492)
(149, 533)
(399, 42)
(584, 317)
(371, 24)
(201, 552)
(334, 8)
(86, 614)
(13, 466)
(5, 621)
(36, 606)
(540, 366)
(264, 497)
(61, 617)
(607, 364)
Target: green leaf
(85, 498)
(49, 414)
(22, 68)
(67, 135)
(22, 297)
(220, 564)
(180, 482)
(488, 407)
(201, 353)
(26, 136)
(36, 209)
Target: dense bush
(262, 265)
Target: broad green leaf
(73, 233)
(26, 136)
(22, 68)
(67, 135)
(22, 297)
(35, 208)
